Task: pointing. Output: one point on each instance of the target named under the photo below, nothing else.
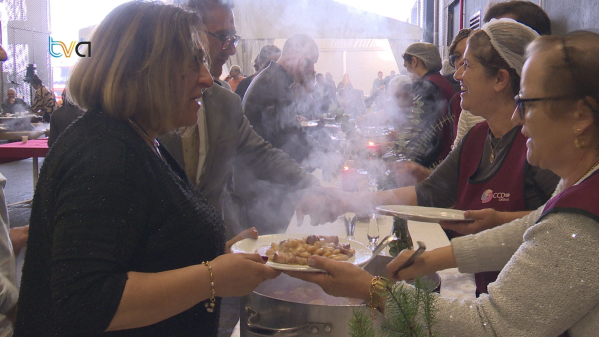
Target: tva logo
(69, 51)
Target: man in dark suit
(267, 54)
(62, 117)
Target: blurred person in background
(272, 104)
(389, 78)
(267, 54)
(548, 284)
(378, 83)
(9, 292)
(328, 80)
(423, 63)
(44, 103)
(345, 84)
(324, 95)
(234, 77)
(395, 114)
(120, 240)
(403, 112)
(13, 103)
(62, 118)
(377, 93)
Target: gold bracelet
(378, 286)
(210, 305)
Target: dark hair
(462, 34)
(524, 12)
(407, 57)
(574, 71)
(36, 80)
(266, 53)
(484, 52)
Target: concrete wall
(565, 15)
(570, 15)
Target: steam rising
(271, 199)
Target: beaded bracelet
(378, 286)
(210, 305)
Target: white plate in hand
(309, 123)
(263, 242)
(424, 214)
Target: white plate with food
(293, 250)
(424, 214)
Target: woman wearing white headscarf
(488, 170)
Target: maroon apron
(445, 133)
(576, 199)
(504, 191)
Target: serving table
(453, 283)
(34, 148)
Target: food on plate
(297, 251)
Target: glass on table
(349, 219)
(373, 231)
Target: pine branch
(401, 304)
(360, 325)
(408, 313)
(428, 308)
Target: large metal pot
(271, 310)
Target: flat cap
(428, 53)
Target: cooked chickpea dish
(297, 251)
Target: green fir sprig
(409, 312)
(360, 325)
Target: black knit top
(105, 205)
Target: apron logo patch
(488, 195)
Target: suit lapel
(210, 111)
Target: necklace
(590, 170)
(493, 148)
(140, 130)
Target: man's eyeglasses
(227, 40)
(521, 102)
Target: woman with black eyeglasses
(548, 283)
